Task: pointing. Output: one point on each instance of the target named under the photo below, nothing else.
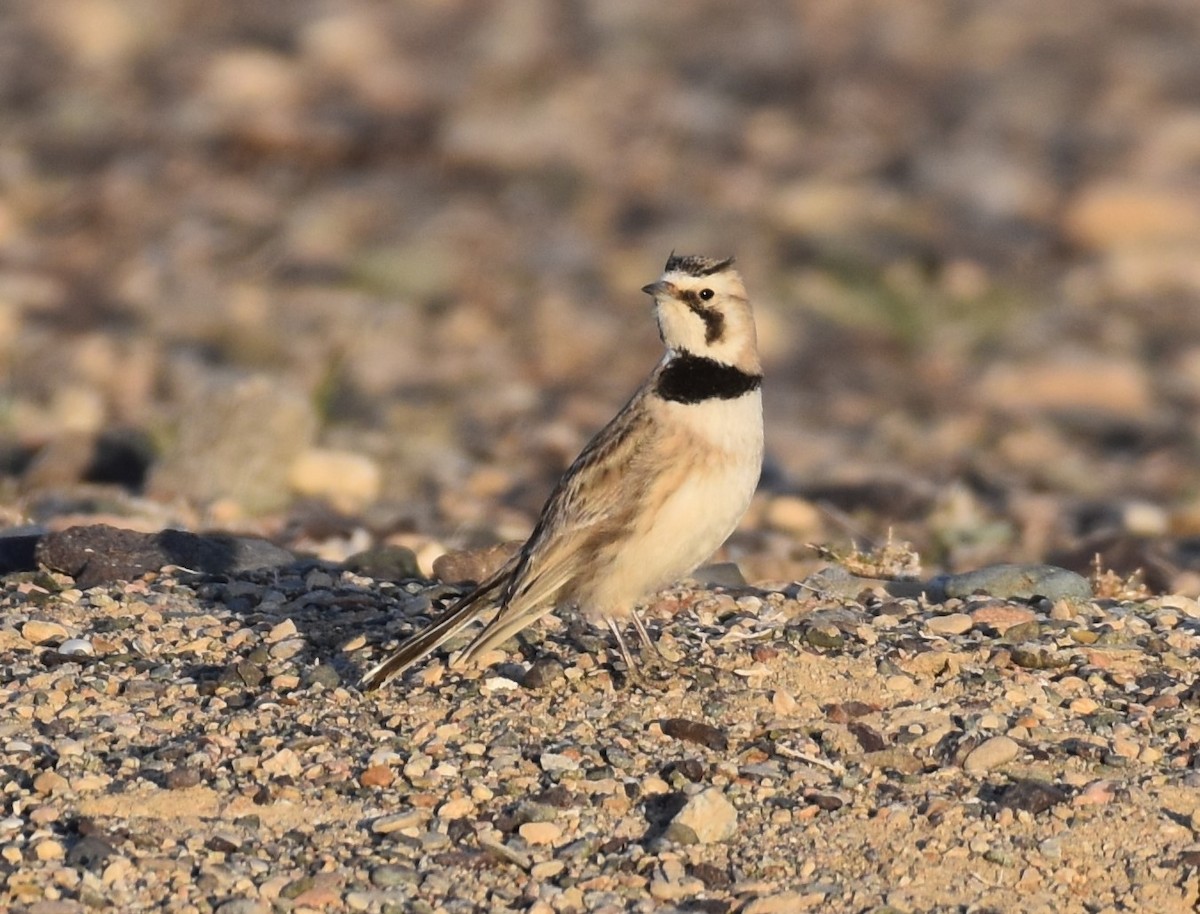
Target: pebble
(1019, 582)
(1031, 796)
(791, 514)
(991, 753)
(1096, 793)
(456, 809)
(693, 731)
(49, 849)
(547, 869)
(706, 818)
(1001, 618)
(950, 624)
(398, 821)
(281, 631)
(543, 673)
(785, 903)
(38, 632)
(77, 646)
(286, 650)
(48, 783)
(539, 833)
(377, 776)
(283, 762)
(385, 563)
(556, 761)
(347, 480)
(472, 565)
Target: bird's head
(702, 310)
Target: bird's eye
(706, 294)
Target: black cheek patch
(714, 320)
(693, 379)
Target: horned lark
(653, 494)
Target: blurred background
(354, 272)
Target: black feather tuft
(697, 266)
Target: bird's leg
(648, 643)
(625, 655)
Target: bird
(653, 494)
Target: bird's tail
(425, 642)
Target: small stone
(224, 843)
(377, 776)
(784, 703)
(543, 673)
(1031, 796)
(181, 778)
(826, 636)
(539, 833)
(348, 481)
(950, 624)
(324, 674)
(286, 650)
(1002, 617)
(894, 758)
(457, 808)
(706, 818)
(719, 574)
(783, 903)
(411, 818)
(1084, 706)
(991, 753)
(1040, 658)
(500, 684)
(283, 762)
(693, 731)
(547, 869)
(244, 906)
(795, 515)
(675, 889)
(77, 647)
(385, 563)
(1096, 793)
(1125, 748)
(239, 441)
(1019, 582)
(90, 853)
(472, 565)
(36, 631)
(556, 761)
(49, 849)
(281, 632)
(49, 782)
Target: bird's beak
(658, 288)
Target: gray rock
(706, 818)
(90, 853)
(719, 574)
(390, 875)
(1018, 582)
(97, 553)
(1031, 796)
(385, 563)
(236, 439)
(991, 753)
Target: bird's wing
(594, 504)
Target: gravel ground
(197, 744)
(352, 275)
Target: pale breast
(710, 461)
